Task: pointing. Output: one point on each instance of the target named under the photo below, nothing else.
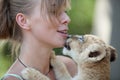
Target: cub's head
(88, 48)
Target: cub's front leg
(60, 69)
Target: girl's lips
(63, 33)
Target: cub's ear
(113, 53)
(96, 52)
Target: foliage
(81, 16)
(5, 57)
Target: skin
(39, 39)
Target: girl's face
(47, 34)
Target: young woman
(39, 26)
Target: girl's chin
(59, 45)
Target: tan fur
(33, 74)
(92, 56)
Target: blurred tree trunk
(102, 22)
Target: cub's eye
(81, 39)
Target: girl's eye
(66, 11)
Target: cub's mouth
(67, 46)
(67, 43)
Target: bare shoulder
(70, 64)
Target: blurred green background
(81, 16)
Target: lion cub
(92, 56)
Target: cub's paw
(53, 59)
(53, 56)
(31, 74)
(55, 62)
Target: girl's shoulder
(70, 64)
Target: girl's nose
(64, 18)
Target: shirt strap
(13, 75)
